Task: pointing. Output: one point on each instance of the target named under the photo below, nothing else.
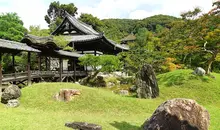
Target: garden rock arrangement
(13, 103)
(66, 94)
(123, 92)
(178, 114)
(11, 92)
(83, 126)
(146, 83)
(199, 71)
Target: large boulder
(178, 114)
(83, 126)
(146, 83)
(11, 92)
(66, 94)
(199, 71)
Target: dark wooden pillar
(61, 68)
(46, 63)
(74, 67)
(0, 71)
(13, 63)
(39, 62)
(95, 53)
(29, 69)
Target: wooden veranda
(29, 75)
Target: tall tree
(37, 31)
(91, 20)
(56, 13)
(11, 27)
(195, 34)
(144, 50)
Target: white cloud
(32, 11)
(140, 14)
(130, 8)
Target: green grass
(38, 110)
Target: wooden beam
(0, 72)
(61, 68)
(29, 69)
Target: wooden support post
(29, 69)
(46, 63)
(0, 72)
(13, 67)
(74, 65)
(13, 63)
(61, 68)
(39, 62)
(95, 53)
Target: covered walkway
(29, 75)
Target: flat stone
(13, 103)
(83, 126)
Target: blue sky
(32, 11)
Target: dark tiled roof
(68, 54)
(87, 29)
(16, 46)
(119, 46)
(82, 38)
(39, 39)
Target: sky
(32, 12)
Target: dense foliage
(91, 20)
(11, 27)
(103, 63)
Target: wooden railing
(37, 74)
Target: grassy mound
(39, 110)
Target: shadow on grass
(124, 126)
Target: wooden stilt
(0, 71)
(61, 68)
(29, 69)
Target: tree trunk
(211, 60)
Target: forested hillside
(117, 29)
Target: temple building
(80, 36)
(84, 39)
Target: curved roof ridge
(81, 26)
